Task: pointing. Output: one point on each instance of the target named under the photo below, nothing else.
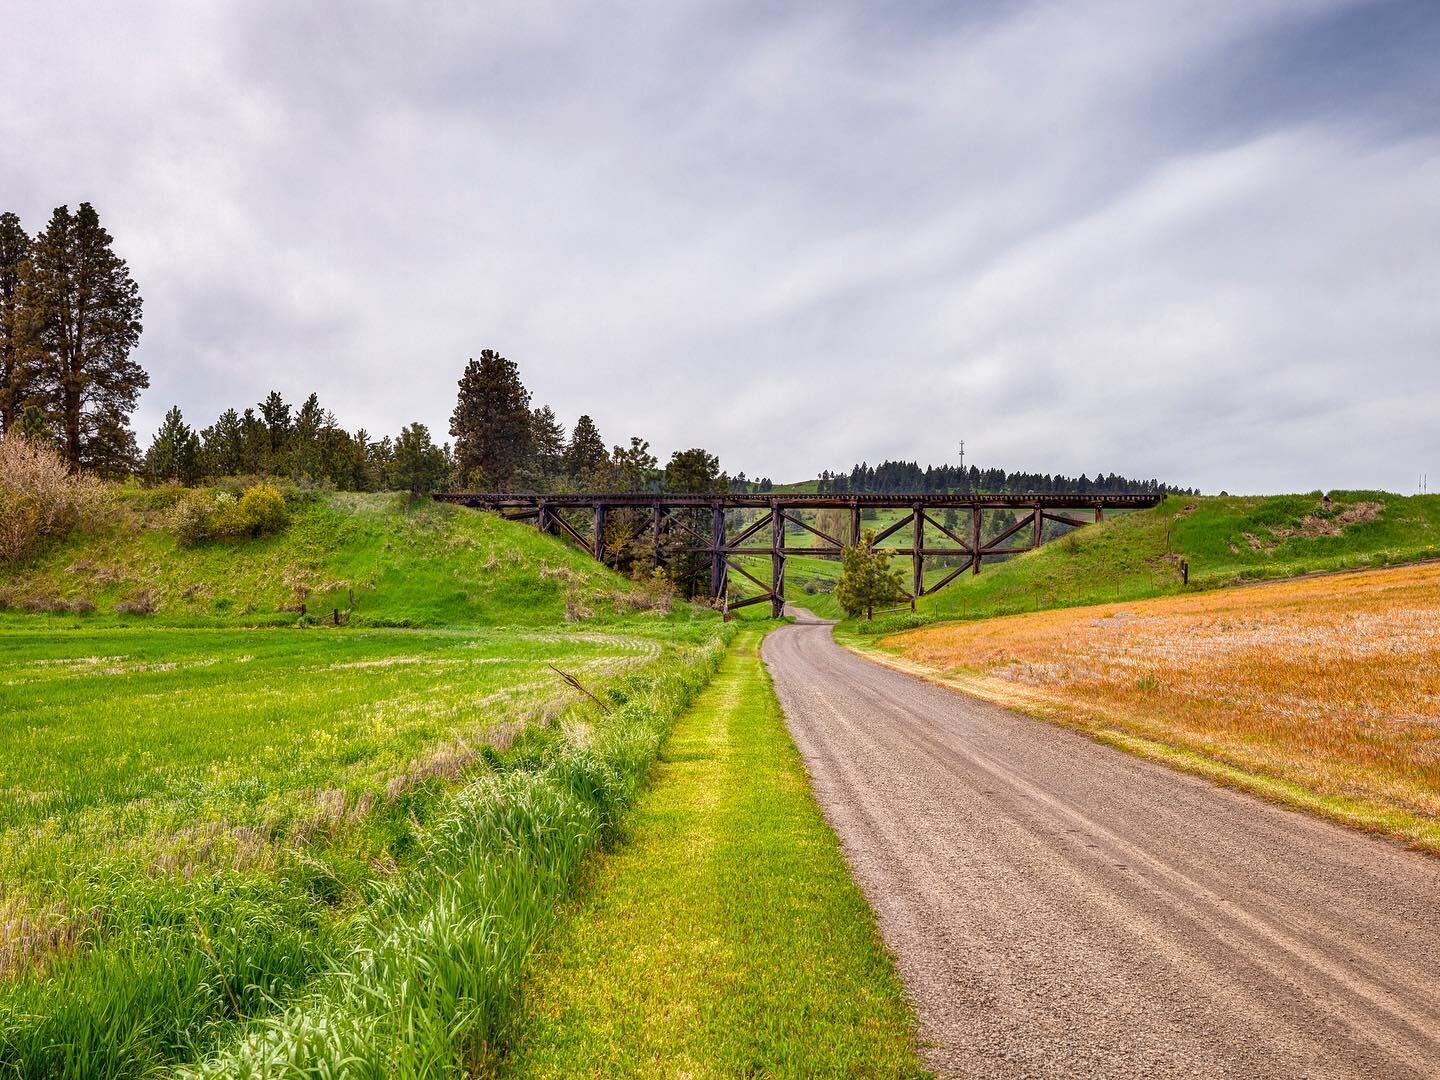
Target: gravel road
(1061, 909)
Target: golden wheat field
(1321, 691)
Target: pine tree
(548, 437)
(586, 451)
(631, 468)
(276, 415)
(34, 425)
(175, 452)
(417, 465)
(222, 446)
(305, 439)
(378, 457)
(79, 319)
(491, 424)
(14, 249)
(256, 438)
(694, 471)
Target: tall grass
(432, 982)
(406, 963)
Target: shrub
(138, 603)
(190, 518)
(894, 624)
(205, 515)
(262, 508)
(41, 500)
(54, 605)
(225, 519)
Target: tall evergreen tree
(378, 457)
(632, 468)
(79, 319)
(305, 439)
(222, 446)
(14, 250)
(276, 415)
(695, 472)
(548, 436)
(586, 451)
(491, 424)
(175, 452)
(256, 440)
(417, 464)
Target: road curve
(1061, 909)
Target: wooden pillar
(854, 522)
(1039, 525)
(600, 510)
(974, 539)
(917, 558)
(655, 532)
(1099, 514)
(777, 560)
(542, 518)
(717, 550)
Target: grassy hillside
(1226, 540)
(425, 564)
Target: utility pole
(962, 455)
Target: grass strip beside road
(726, 937)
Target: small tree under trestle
(867, 578)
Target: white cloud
(798, 239)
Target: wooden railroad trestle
(728, 540)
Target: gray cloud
(1192, 241)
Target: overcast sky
(1197, 241)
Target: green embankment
(420, 564)
(1226, 540)
(266, 849)
(725, 938)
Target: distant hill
(1225, 540)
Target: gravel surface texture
(1061, 909)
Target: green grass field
(198, 823)
(725, 938)
(231, 838)
(240, 841)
